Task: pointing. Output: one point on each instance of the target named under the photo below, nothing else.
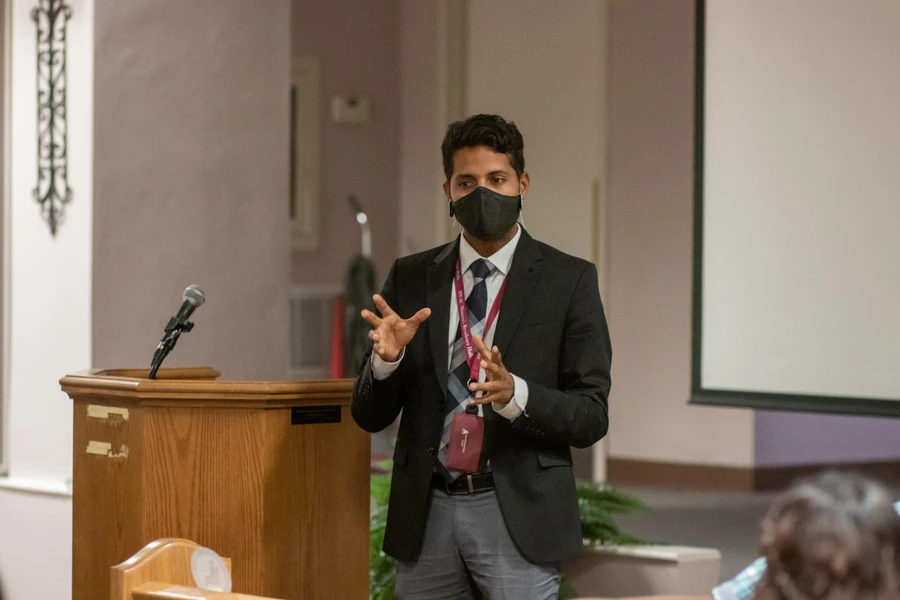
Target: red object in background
(337, 338)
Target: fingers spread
(492, 370)
(420, 317)
(382, 306)
(491, 367)
(479, 345)
(486, 399)
(485, 386)
(486, 355)
(371, 318)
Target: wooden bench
(162, 570)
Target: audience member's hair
(832, 537)
(491, 131)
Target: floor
(726, 521)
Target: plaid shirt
(743, 585)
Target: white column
(47, 310)
(49, 292)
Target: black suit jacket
(552, 333)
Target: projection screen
(797, 205)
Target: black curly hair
(491, 131)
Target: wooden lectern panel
(244, 468)
(106, 494)
(320, 506)
(204, 478)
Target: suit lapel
(522, 277)
(437, 298)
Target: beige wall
(525, 57)
(357, 43)
(191, 181)
(423, 120)
(650, 211)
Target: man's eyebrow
(491, 174)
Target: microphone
(193, 298)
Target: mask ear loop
(522, 210)
(452, 215)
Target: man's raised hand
(390, 332)
(500, 386)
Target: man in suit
(534, 316)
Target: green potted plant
(597, 503)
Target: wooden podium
(273, 475)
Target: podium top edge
(180, 373)
(197, 383)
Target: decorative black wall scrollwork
(52, 191)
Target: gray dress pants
(466, 541)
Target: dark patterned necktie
(458, 378)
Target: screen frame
(744, 399)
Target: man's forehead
(480, 161)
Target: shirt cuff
(723, 592)
(382, 369)
(516, 406)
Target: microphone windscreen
(194, 294)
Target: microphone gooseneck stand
(173, 330)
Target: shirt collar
(501, 259)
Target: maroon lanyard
(473, 358)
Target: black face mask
(486, 214)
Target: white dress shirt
(500, 261)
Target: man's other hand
(500, 386)
(390, 332)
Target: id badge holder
(466, 440)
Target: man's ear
(524, 184)
(449, 199)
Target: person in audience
(832, 537)
(511, 368)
